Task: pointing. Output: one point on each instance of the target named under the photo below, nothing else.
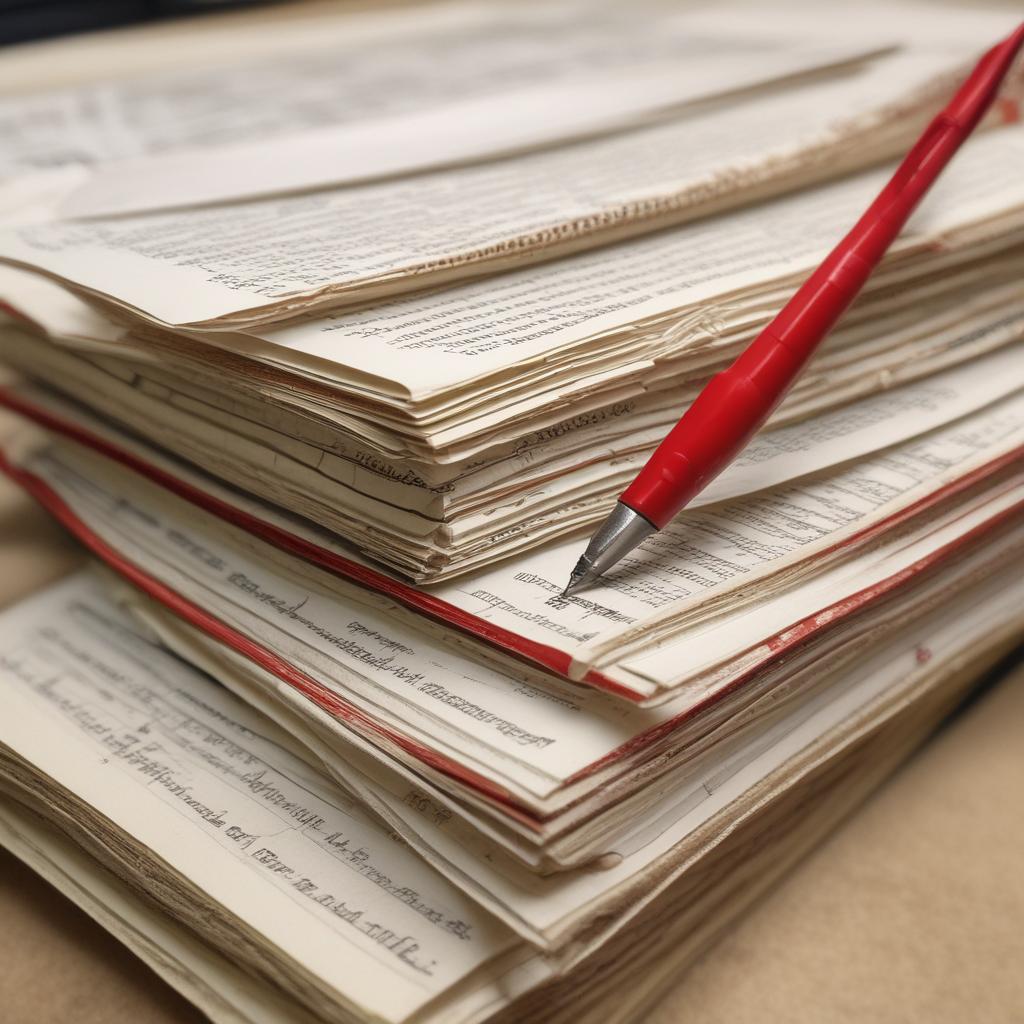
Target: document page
(582, 69)
(459, 336)
(266, 259)
(392, 92)
(494, 719)
(797, 494)
(591, 94)
(210, 981)
(716, 549)
(554, 905)
(215, 791)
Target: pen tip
(579, 578)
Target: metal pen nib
(622, 531)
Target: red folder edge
(547, 657)
(782, 643)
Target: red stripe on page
(227, 635)
(547, 657)
(783, 642)
(793, 636)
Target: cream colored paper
(188, 772)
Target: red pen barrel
(735, 403)
(698, 448)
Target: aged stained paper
(402, 671)
(547, 906)
(278, 256)
(191, 773)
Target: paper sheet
(206, 979)
(499, 723)
(450, 338)
(189, 772)
(199, 265)
(336, 100)
(709, 550)
(551, 904)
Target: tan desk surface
(913, 911)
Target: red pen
(737, 401)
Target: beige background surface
(913, 911)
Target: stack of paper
(442, 431)
(341, 747)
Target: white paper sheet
(199, 265)
(189, 772)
